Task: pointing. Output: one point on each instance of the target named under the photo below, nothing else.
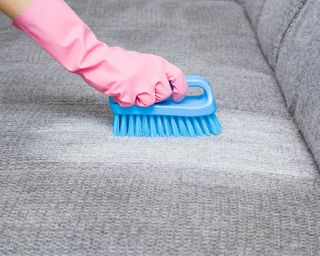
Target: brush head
(165, 126)
(194, 116)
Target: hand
(133, 78)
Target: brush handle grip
(199, 105)
(203, 83)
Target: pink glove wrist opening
(130, 77)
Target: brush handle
(203, 83)
(199, 105)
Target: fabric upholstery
(298, 73)
(68, 187)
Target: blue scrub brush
(194, 116)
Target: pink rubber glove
(129, 77)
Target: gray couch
(68, 187)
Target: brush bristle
(152, 126)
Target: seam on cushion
(292, 105)
(287, 30)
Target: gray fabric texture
(298, 72)
(254, 10)
(68, 187)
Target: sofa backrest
(289, 35)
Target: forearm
(12, 8)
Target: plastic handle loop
(204, 84)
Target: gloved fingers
(123, 99)
(124, 103)
(178, 81)
(162, 90)
(145, 99)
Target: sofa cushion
(68, 187)
(298, 72)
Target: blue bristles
(174, 127)
(160, 126)
(197, 126)
(190, 129)
(131, 126)
(123, 126)
(153, 127)
(165, 126)
(145, 126)
(204, 126)
(139, 130)
(116, 124)
(182, 127)
(214, 124)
